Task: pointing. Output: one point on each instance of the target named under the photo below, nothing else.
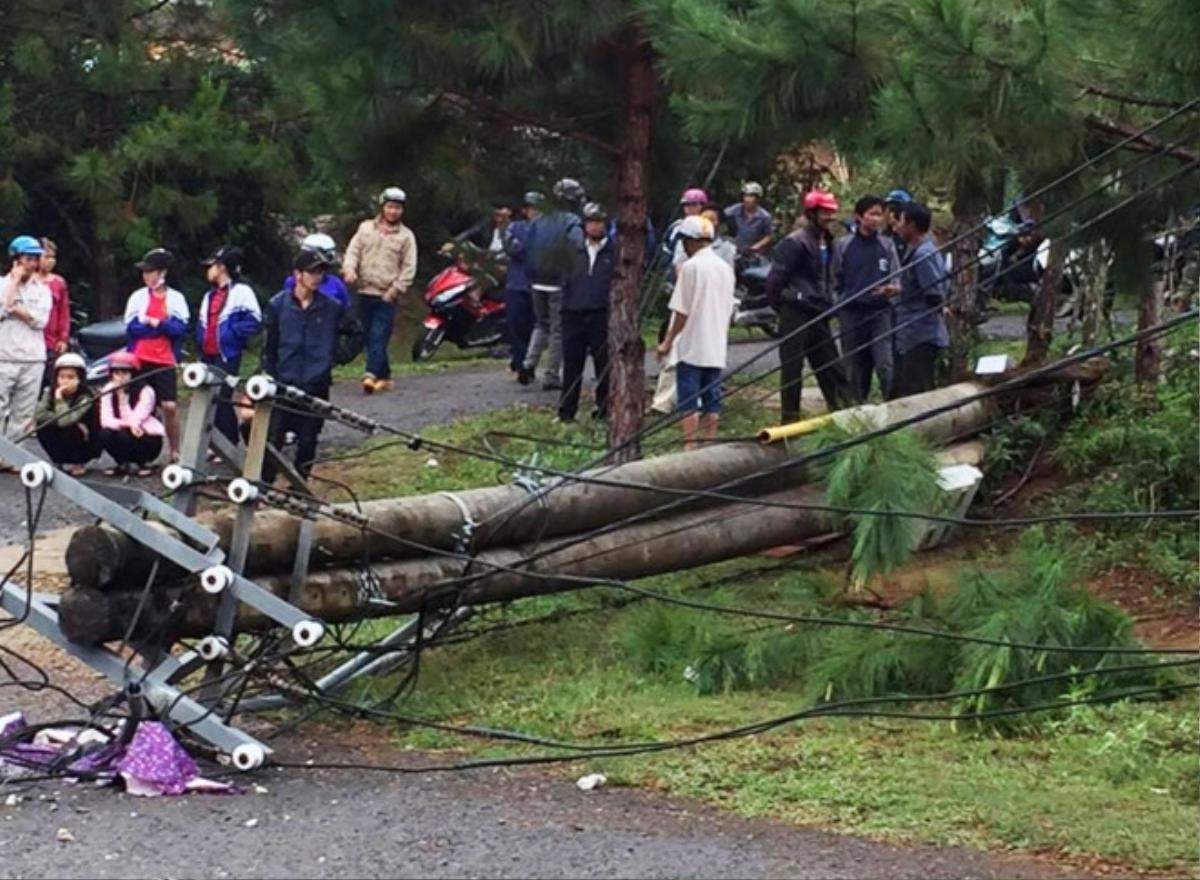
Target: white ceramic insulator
(216, 579)
(212, 648)
(260, 387)
(36, 473)
(241, 491)
(307, 633)
(195, 375)
(248, 756)
(176, 476)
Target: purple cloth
(152, 764)
(155, 762)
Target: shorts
(698, 388)
(163, 378)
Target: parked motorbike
(461, 311)
(751, 308)
(96, 342)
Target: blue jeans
(518, 309)
(377, 318)
(698, 388)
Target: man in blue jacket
(518, 301)
(865, 277)
(307, 335)
(920, 328)
(586, 297)
(228, 320)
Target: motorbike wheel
(426, 345)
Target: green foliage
(893, 472)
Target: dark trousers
(224, 418)
(69, 445)
(518, 310)
(377, 318)
(127, 449)
(305, 428)
(915, 369)
(866, 337)
(584, 333)
(815, 343)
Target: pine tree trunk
(1147, 358)
(961, 306)
(1040, 329)
(627, 378)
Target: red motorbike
(459, 310)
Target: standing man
(25, 304)
(307, 334)
(691, 203)
(751, 222)
(381, 262)
(550, 247)
(518, 300)
(58, 327)
(700, 308)
(894, 203)
(866, 275)
(229, 319)
(156, 319)
(799, 287)
(585, 314)
(921, 330)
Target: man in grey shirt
(751, 222)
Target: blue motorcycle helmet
(899, 196)
(25, 246)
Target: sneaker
(383, 385)
(368, 384)
(524, 375)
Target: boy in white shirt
(701, 305)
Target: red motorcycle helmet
(818, 200)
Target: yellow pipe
(795, 429)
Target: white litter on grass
(591, 781)
(431, 462)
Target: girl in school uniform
(129, 432)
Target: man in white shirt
(24, 310)
(700, 308)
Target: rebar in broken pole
(101, 557)
(339, 595)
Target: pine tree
(130, 125)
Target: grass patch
(1117, 782)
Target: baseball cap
(696, 227)
(227, 255)
(156, 260)
(310, 259)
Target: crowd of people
(882, 281)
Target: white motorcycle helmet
(392, 194)
(322, 244)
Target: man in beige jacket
(381, 261)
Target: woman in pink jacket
(129, 432)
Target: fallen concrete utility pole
(102, 557)
(672, 543)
